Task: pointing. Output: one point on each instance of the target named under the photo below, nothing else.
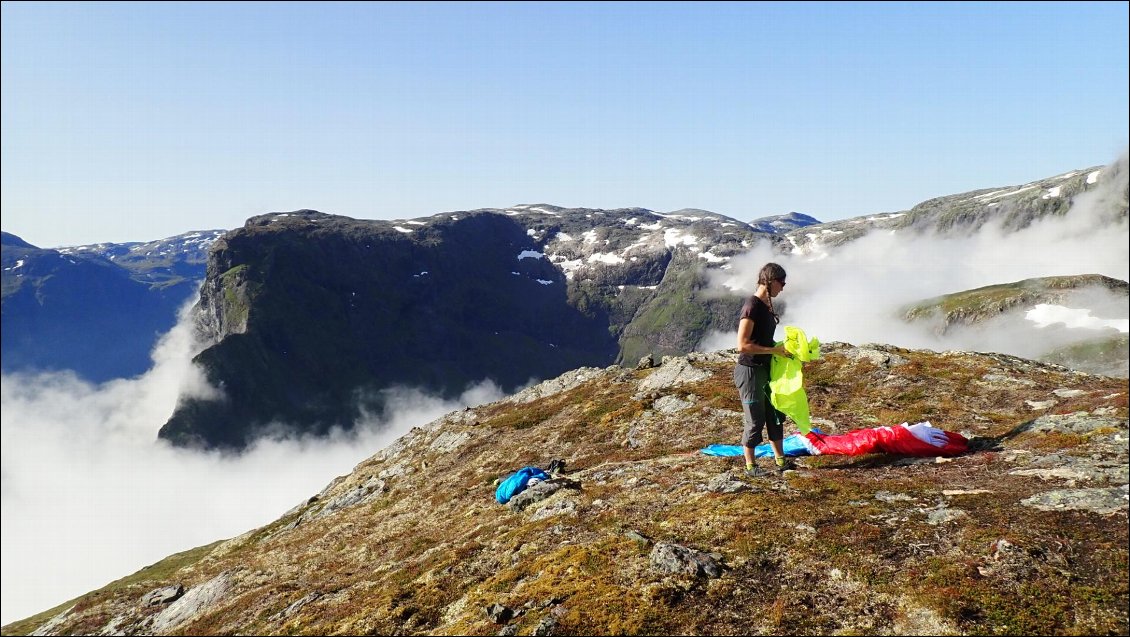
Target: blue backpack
(517, 483)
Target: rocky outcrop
(198, 600)
(678, 559)
(163, 595)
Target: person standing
(756, 325)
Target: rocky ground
(641, 533)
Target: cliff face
(308, 316)
(641, 533)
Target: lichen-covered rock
(1099, 500)
(540, 491)
(678, 559)
(674, 371)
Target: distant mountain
(161, 262)
(775, 224)
(1012, 207)
(782, 224)
(974, 306)
(14, 241)
(308, 316)
(1100, 352)
(95, 310)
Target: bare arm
(746, 344)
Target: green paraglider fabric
(786, 376)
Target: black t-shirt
(764, 324)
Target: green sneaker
(786, 464)
(756, 472)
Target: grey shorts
(757, 412)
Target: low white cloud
(854, 295)
(716, 340)
(91, 495)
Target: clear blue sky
(137, 121)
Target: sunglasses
(782, 282)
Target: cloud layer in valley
(90, 495)
(855, 294)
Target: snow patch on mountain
(1045, 314)
(673, 237)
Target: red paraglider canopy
(900, 440)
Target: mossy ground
(846, 545)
